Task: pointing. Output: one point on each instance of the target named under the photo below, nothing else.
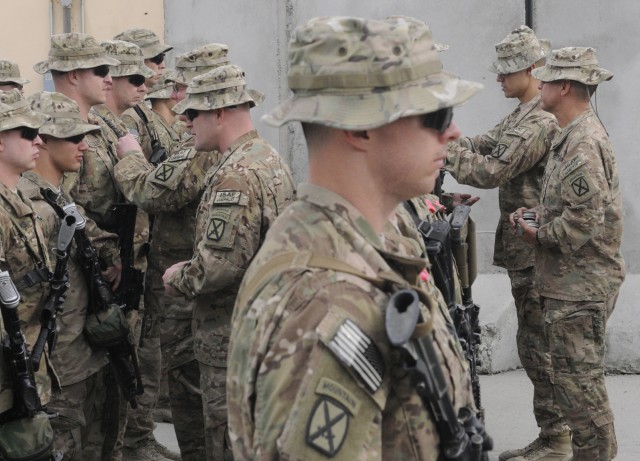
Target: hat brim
(154, 50)
(161, 93)
(28, 118)
(67, 66)
(127, 70)
(586, 75)
(209, 101)
(62, 131)
(376, 107)
(16, 80)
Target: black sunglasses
(29, 134)
(439, 120)
(101, 71)
(157, 59)
(191, 114)
(77, 139)
(136, 80)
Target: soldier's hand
(169, 289)
(529, 233)
(464, 199)
(113, 275)
(126, 144)
(515, 216)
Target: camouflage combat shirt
(512, 157)
(156, 126)
(580, 212)
(289, 394)
(244, 193)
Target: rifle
(59, 283)
(121, 351)
(131, 287)
(462, 436)
(26, 401)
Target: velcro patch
(219, 227)
(499, 150)
(359, 353)
(182, 155)
(164, 172)
(227, 197)
(581, 186)
(327, 427)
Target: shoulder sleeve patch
(580, 186)
(227, 197)
(327, 426)
(572, 166)
(337, 391)
(357, 352)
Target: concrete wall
(27, 26)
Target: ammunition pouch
(106, 327)
(26, 439)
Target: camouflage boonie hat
(74, 51)
(10, 73)
(200, 61)
(519, 50)
(146, 39)
(130, 57)
(15, 112)
(417, 23)
(356, 74)
(164, 88)
(218, 88)
(573, 63)
(65, 120)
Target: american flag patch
(359, 353)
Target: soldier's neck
(47, 171)
(531, 92)
(160, 108)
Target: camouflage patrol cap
(356, 74)
(164, 88)
(15, 112)
(573, 63)
(65, 120)
(130, 57)
(200, 61)
(517, 51)
(10, 73)
(218, 88)
(74, 51)
(146, 39)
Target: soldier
(79, 67)
(171, 191)
(244, 193)
(371, 99)
(78, 431)
(10, 76)
(579, 267)
(512, 157)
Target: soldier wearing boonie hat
(25, 258)
(579, 235)
(244, 193)
(72, 51)
(78, 433)
(10, 76)
(511, 157)
(153, 50)
(175, 184)
(375, 104)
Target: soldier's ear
(357, 139)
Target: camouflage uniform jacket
(142, 131)
(243, 195)
(580, 212)
(95, 187)
(22, 250)
(289, 396)
(73, 358)
(171, 191)
(511, 156)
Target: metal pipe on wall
(66, 15)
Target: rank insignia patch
(358, 353)
(499, 150)
(164, 172)
(215, 229)
(327, 427)
(580, 186)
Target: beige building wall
(28, 24)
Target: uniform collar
(564, 132)
(15, 201)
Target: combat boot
(149, 450)
(554, 448)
